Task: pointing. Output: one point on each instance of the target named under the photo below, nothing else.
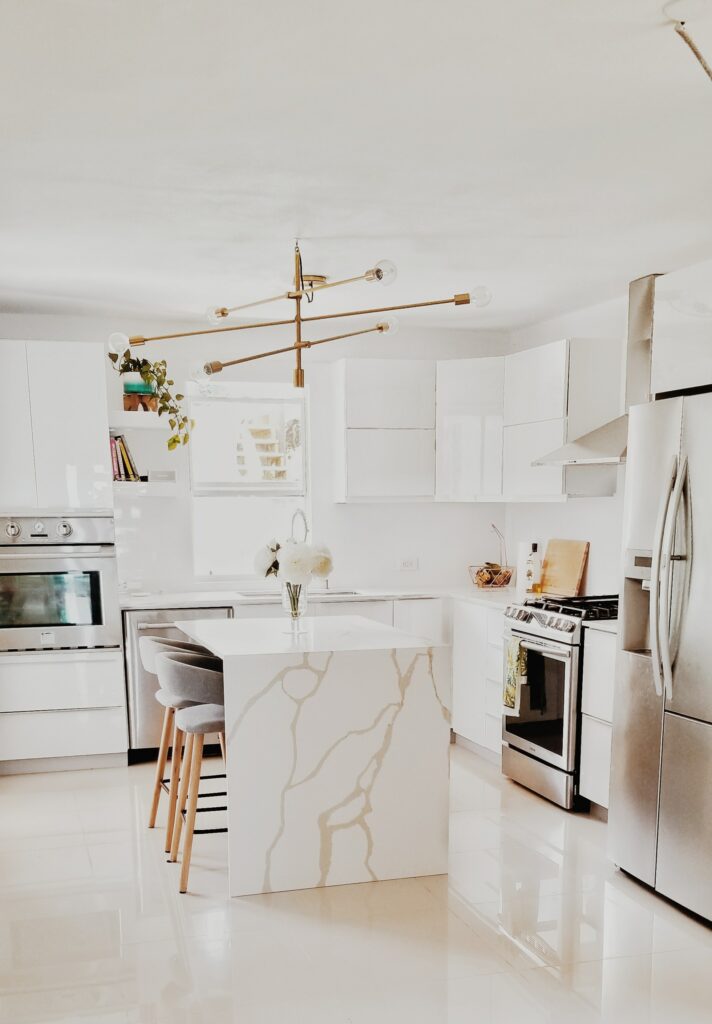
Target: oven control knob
(13, 530)
(64, 529)
(568, 626)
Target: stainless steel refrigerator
(660, 813)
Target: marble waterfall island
(337, 751)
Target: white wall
(368, 541)
(597, 520)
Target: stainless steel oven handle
(547, 652)
(143, 626)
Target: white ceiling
(161, 155)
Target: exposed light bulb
(198, 373)
(386, 271)
(480, 295)
(118, 343)
(215, 315)
(389, 324)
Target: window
(248, 471)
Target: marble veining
(336, 760)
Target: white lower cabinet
(599, 667)
(42, 734)
(477, 674)
(61, 680)
(422, 617)
(62, 704)
(595, 759)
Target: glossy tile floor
(533, 925)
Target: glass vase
(294, 601)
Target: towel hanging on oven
(515, 676)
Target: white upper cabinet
(18, 488)
(682, 332)
(67, 387)
(470, 397)
(552, 395)
(385, 429)
(523, 444)
(535, 384)
(390, 463)
(54, 410)
(390, 393)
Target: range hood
(607, 444)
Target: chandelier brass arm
(457, 300)
(217, 365)
(304, 287)
(138, 339)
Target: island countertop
(230, 638)
(337, 741)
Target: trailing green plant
(156, 374)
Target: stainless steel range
(540, 744)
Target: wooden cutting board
(563, 567)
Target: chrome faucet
(300, 514)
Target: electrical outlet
(411, 564)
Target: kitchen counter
(213, 598)
(604, 626)
(352, 784)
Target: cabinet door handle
(143, 626)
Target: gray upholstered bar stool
(189, 677)
(149, 648)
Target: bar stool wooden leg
(182, 797)
(192, 807)
(161, 764)
(221, 737)
(178, 738)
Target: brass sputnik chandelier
(305, 287)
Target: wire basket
(490, 575)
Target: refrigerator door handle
(654, 616)
(665, 608)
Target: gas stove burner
(593, 609)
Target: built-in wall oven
(58, 583)
(540, 743)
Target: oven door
(546, 726)
(59, 596)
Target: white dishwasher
(144, 711)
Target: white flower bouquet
(294, 563)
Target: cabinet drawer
(595, 760)
(62, 733)
(599, 673)
(495, 627)
(61, 680)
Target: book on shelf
(122, 459)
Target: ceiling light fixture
(679, 12)
(306, 286)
